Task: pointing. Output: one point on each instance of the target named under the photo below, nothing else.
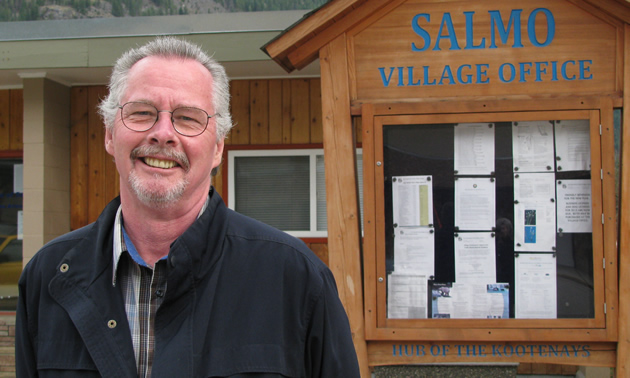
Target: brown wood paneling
(541, 368)
(287, 119)
(5, 120)
(217, 181)
(240, 112)
(16, 122)
(321, 250)
(524, 368)
(259, 121)
(275, 112)
(569, 369)
(97, 176)
(316, 111)
(79, 187)
(358, 129)
(300, 107)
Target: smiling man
(168, 282)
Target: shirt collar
(119, 240)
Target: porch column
(46, 161)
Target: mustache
(166, 152)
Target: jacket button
(111, 324)
(172, 258)
(64, 268)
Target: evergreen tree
(117, 8)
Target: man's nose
(163, 131)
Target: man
(168, 282)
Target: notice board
(487, 226)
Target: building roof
(82, 51)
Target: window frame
(266, 151)
(312, 153)
(13, 155)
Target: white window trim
(312, 154)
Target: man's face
(158, 167)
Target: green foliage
(117, 8)
(26, 10)
(133, 7)
(270, 5)
(29, 12)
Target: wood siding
(11, 120)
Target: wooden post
(623, 348)
(344, 242)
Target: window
(285, 188)
(10, 231)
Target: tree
(117, 8)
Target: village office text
(481, 73)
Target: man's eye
(143, 113)
(187, 118)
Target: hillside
(28, 10)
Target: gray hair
(169, 47)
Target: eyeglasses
(140, 116)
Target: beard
(156, 194)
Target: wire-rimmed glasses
(140, 116)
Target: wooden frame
(603, 327)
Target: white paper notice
(412, 200)
(471, 301)
(534, 212)
(574, 206)
(475, 204)
(474, 148)
(573, 145)
(535, 281)
(414, 251)
(475, 257)
(18, 178)
(20, 225)
(406, 296)
(532, 144)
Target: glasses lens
(190, 121)
(139, 116)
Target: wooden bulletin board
(580, 328)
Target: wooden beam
(619, 9)
(623, 348)
(307, 27)
(344, 246)
(306, 52)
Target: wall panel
(11, 120)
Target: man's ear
(109, 143)
(218, 154)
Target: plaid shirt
(143, 291)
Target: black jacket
(242, 298)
